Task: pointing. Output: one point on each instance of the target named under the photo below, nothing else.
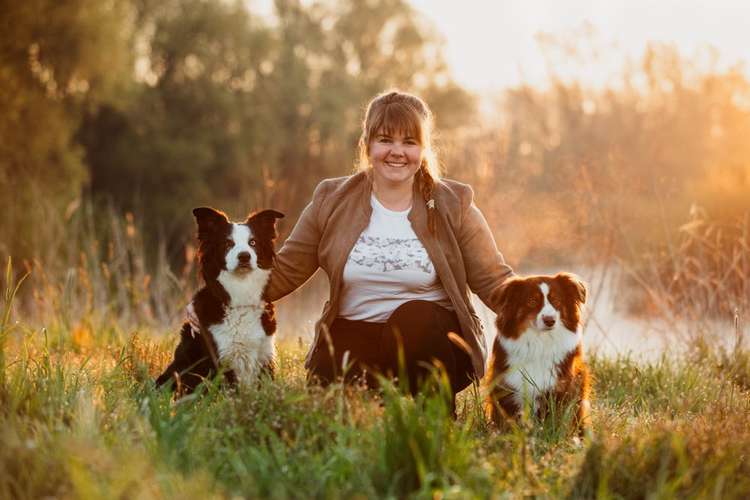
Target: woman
(401, 249)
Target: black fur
(196, 357)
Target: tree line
(150, 108)
(154, 107)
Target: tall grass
(104, 279)
(11, 290)
(101, 276)
(90, 423)
(80, 416)
(699, 278)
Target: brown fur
(519, 301)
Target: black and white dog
(237, 323)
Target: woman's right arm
(297, 260)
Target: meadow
(151, 108)
(82, 419)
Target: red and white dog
(537, 356)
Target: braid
(427, 185)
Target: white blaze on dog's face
(237, 255)
(549, 314)
(542, 304)
(241, 255)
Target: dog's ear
(505, 304)
(505, 294)
(209, 221)
(265, 221)
(573, 285)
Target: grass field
(81, 419)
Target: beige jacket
(463, 251)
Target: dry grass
(81, 418)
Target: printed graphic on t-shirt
(391, 254)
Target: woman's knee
(409, 310)
(414, 315)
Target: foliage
(149, 108)
(696, 279)
(92, 424)
(57, 59)
(81, 417)
(615, 168)
(154, 107)
(684, 448)
(234, 112)
(6, 327)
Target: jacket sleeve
(297, 260)
(485, 266)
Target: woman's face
(394, 158)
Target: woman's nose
(396, 149)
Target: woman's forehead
(398, 120)
(396, 132)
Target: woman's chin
(397, 178)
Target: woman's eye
(252, 243)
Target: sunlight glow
(496, 44)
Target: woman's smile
(396, 164)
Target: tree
(239, 114)
(56, 58)
(191, 133)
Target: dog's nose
(244, 257)
(548, 320)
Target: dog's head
(238, 248)
(541, 303)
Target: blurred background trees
(56, 60)
(575, 172)
(153, 107)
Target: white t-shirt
(387, 267)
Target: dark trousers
(420, 328)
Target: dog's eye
(554, 300)
(532, 301)
(252, 242)
(229, 243)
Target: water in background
(609, 329)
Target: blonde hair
(393, 112)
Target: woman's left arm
(485, 266)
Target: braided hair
(396, 111)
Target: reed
(81, 416)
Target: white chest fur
(240, 339)
(533, 358)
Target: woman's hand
(192, 318)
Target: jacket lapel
(359, 217)
(418, 220)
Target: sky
(493, 44)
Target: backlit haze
(491, 45)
